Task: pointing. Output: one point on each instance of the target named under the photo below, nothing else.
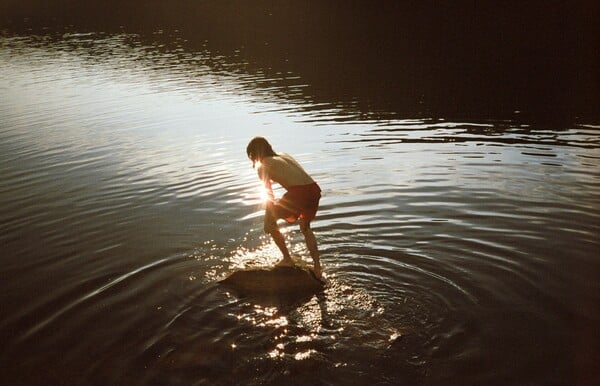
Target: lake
(461, 246)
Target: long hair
(259, 148)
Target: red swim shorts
(299, 202)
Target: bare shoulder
(285, 170)
(269, 166)
(276, 161)
(268, 162)
(285, 156)
(287, 159)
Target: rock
(274, 281)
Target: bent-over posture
(299, 203)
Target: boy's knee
(304, 227)
(270, 227)
(270, 224)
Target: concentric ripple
(455, 252)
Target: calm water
(457, 251)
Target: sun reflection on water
(264, 256)
(307, 328)
(304, 355)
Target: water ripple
(126, 195)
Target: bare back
(284, 170)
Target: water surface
(457, 251)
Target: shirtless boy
(299, 203)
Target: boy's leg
(280, 242)
(272, 229)
(311, 244)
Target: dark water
(460, 247)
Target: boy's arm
(269, 190)
(264, 177)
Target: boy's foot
(318, 273)
(318, 276)
(285, 263)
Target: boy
(299, 203)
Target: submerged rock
(276, 280)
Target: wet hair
(259, 148)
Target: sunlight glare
(264, 256)
(264, 194)
(304, 355)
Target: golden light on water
(266, 255)
(304, 355)
(298, 332)
(299, 329)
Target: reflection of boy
(299, 203)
